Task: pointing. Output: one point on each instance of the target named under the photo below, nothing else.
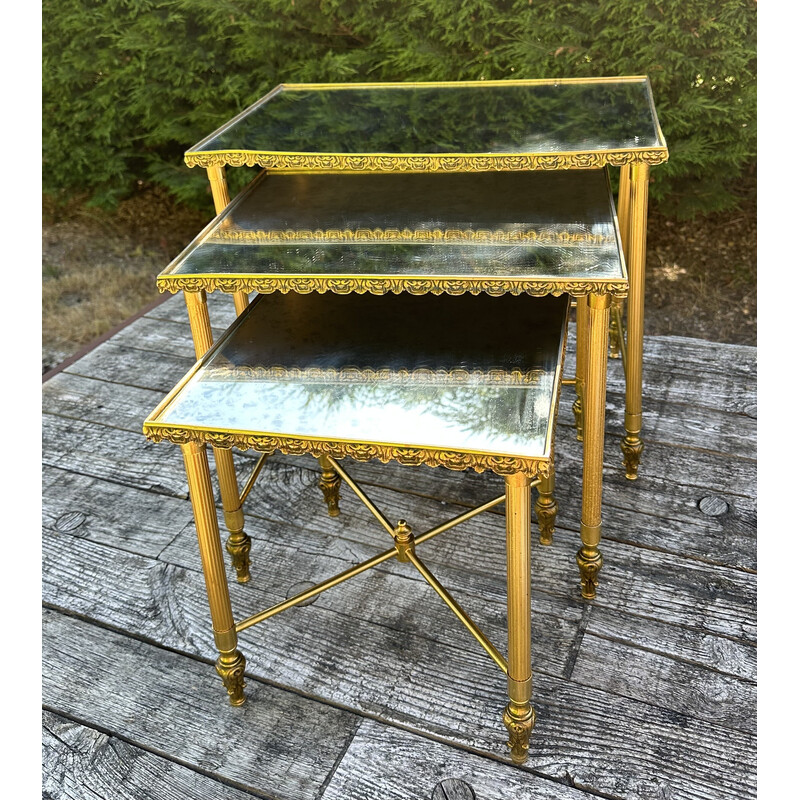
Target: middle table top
(494, 232)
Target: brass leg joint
(403, 541)
(230, 667)
(546, 509)
(519, 719)
(238, 545)
(330, 483)
(632, 445)
(590, 559)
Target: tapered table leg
(616, 339)
(589, 558)
(582, 315)
(238, 544)
(231, 663)
(519, 715)
(219, 191)
(637, 244)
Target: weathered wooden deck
(375, 691)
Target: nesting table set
(414, 248)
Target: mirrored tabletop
(496, 232)
(574, 123)
(455, 382)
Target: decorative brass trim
(359, 451)
(344, 284)
(425, 162)
(543, 237)
(458, 376)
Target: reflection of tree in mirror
(404, 259)
(472, 417)
(494, 119)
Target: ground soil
(99, 268)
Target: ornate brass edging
(408, 236)
(265, 284)
(358, 375)
(382, 162)
(408, 456)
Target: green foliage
(130, 84)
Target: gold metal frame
(518, 715)
(428, 162)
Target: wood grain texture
(80, 763)
(440, 688)
(166, 702)
(392, 764)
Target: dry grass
(98, 268)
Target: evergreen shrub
(130, 84)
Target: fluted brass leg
(615, 334)
(238, 544)
(219, 191)
(546, 509)
(230, 664)
(637, 245)
(615, 341)
(519, 715)
(581, 313)
(330, 483)
(589, 558)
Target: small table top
(437, 380)
(496, 232)
(577, 123)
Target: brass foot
(238, 545)
(330, 482)
(577, 410)
(632, 447)
(230, 667)
(519, 719)
(546, 509)
(590, 560)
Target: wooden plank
(80, 762)
(98, 401)
(722, 654)
(692, 371)
(392, 764)
(648, 676)
(409, 685)
(131, 366)
(389, 669)
(170, 704)
(114, 455)
(93, 509)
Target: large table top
(437, 380)
(462, 126)
(500, 232)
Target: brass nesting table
(497, 209)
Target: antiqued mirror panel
(530, 225)
(499, 117)
(475, 374)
